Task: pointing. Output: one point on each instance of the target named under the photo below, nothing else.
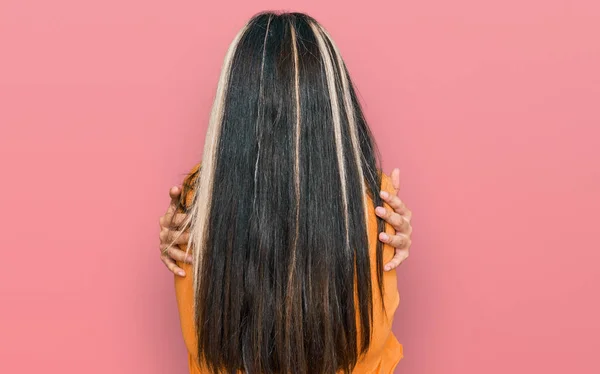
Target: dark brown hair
(279, 218)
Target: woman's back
(384, 352)
(288, 272)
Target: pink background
(490, 109)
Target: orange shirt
(384, 352)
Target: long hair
(278, 223)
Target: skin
(399, 217)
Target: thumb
(396, 179)
(174, 193)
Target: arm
(171, 222)
(399, 216)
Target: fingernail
(181, 273)
(190, 259)
(380, 210)
(384, 236)
(384, 194)
(387, 268)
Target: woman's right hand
(400, 219)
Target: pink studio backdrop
(490, 109)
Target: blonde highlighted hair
(278, 223)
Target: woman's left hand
(399, 218)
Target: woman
(287, 269)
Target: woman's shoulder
(386, 182)
(188, 187)
(191, 179)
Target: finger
(399, 257)
(171, 237)
(172, 266)
(398, 241)
(396, 179)
(178, 220)
(183, 238)
(165, 219)
(396, 220)
(175, 192)
(164, 236)
(175, 253)
(172, 220)
(395, 203)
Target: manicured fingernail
(181, 273)
(190, 259)
(384, 236)
(380, 210)
(384, 194)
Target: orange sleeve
(188, 187)
(393, 351)
(184, 286)
(385, 350)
